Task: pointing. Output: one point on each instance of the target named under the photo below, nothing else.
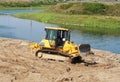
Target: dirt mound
(18, 64)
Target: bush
(27, 4)
(74, 12)
(66, 6)
(95, 8)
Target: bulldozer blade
(84, 48)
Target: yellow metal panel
(35, 46)
(71, 49)
(48, 43)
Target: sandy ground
(18, 64)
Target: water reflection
(21, 28)
(103, 42)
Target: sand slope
(18, 64)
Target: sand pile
(18, 64)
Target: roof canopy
(56, 28)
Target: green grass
(95, 8)
(86, 23)
(26, 3)
(17, 4)
(66, 6)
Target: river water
(12, 27)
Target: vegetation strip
(86, 23)
(26, 4)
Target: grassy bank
(87, 9)
(21, 8)
(87, 23)
(26, 4)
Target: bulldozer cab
(59, 35)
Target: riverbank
(87, 23)
(26, 4)
(18, 64)
(95, 18)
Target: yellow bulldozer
(57, 43)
